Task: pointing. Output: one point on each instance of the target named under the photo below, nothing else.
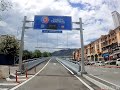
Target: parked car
(100, 63)
(107, 63)
(118, 62)
(113, 62)
(92, 63)
(86, 63)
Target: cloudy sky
(96, 16)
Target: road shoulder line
(30, 78)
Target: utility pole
(81, 64)
(22, 45)
(82, 49)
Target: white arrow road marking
(54, 63)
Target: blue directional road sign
(51, 31)
(53, 22)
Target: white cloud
(3, 24)
(96, 15)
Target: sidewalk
(107, 66)
(6, 70)
(13, 69)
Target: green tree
(37, 54)
(27, 54)
(49, 54)
(9, 46)
(46, 54)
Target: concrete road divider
(72, 66)
(29, 65)
(4, 71)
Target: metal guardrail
(29, 65)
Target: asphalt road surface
(53, 77)
(109, 74)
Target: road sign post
(22, 45)
(81, 64)
(82, 49)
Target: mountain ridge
(63, 52)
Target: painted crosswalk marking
(8, 84)
(4, 88)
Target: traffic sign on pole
(51, 31)
(53, 22)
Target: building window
(113, 39)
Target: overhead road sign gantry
(53, 22)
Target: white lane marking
(84, 82)
(77, 77)
(4, 88)
(8, 84)
(30, 78)
(20, 76)
(105, 80)
(54, 63)
(116, 72)
(13, 80)
(65, 67)
(104, 71)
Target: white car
(92, 63)
(118, 62)
(100, 63)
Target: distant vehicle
(89, 62)
(92, 62)
(35, 58)
(67, 59)
(86, 63)
(75, 62)
(113, 62)
(100, 63)
(107, 63)
(118, 62)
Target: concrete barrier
(29, 65)
(4, 71)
